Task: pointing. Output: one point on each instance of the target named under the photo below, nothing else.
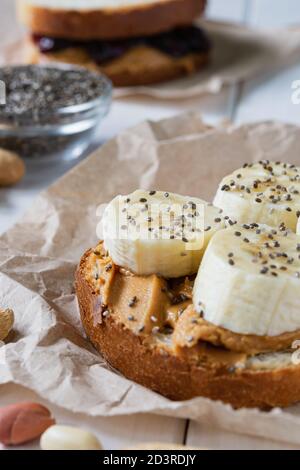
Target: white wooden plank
(8, 34)
(270, 13)
(270, 97)
(114, 433)
(226, 11)
(127, 112)
(211, 438)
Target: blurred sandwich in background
(134, 42)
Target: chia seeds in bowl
(51, 111)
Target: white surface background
(268, 97)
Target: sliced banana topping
(264, 192)
(249, 280)
(298, 227)
(155, 232)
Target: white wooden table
(268, 97)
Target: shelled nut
(23, 422)
(12, 168)
(69, 438)
(6, 322)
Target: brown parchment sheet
(48, 351)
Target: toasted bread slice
(103, 19)
(139, 66)
(261, 380)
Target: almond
(23, 422)
(12, 168)
(6, 322)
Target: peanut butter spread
(161, 312)
(139, 60)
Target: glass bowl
(63, 132)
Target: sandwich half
(107, 19)
(203, 306)
(134, 42)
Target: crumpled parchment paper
(48, 351)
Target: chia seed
(190, 339)
(34, 92)
(42, 100)
(179, 299)
(155, 330)
(132, 302)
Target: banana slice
(298, 227)
(249, 281)
(263, 192)
(155, 232)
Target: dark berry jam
(176, 43)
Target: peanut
(68, 438)
(6, 322)
(12, 168)
(23, 422)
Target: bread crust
(142, 20)
(139, 66)
(180, 377)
